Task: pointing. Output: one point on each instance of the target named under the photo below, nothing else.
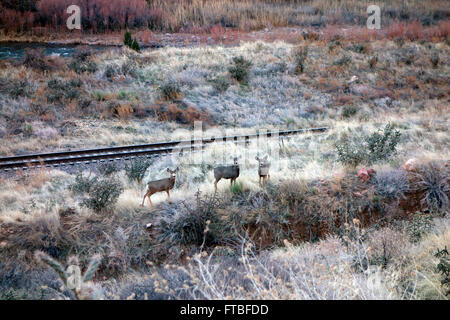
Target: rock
(410, 165)
(365, 174)
(353, 79)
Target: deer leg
(260, 181)
(168, 195)
(150, 200)
(143, 200)
(215, 185)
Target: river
(16, 50)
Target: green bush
(381, 145)
(443, 268)
(27, 130)
(237, 188)
(240, 69)
(130, 42)
(419, 226)
(135, 171)
(127, 40)
(103, 194)
(135, 46)
(367, 149)
(82, 184)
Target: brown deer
(227, 172)
(160, 185)
(263, 170)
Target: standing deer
(160, 185)
(263, 169)
(227, 172)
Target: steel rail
(131, 151)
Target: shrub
(373, 61)
(381, 145)
(16, 87)
(170, 90)
(434, 58)
(443, 267)
(198, 225)
(357, 149)
(343, 60)
(420, 225)
(240, 69)
(350, 150)
(127, 40)
(65, 275)
(81, 184)
(433, 180)
(135, 46)
(359, 48)
(35, 58)
(136, 170)
(111, 71)
(103, 194)
(27, 129)
(82, 62)
(220, 84)
(237, 188)
(60, 91)
(107, 168)
(131, 42)
(349, 111)
(128, 67)
(300, 56)
(392, 184)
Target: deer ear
(266, 156)
(177, 169)
(168, 170)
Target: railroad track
(74, 157)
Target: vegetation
(368, 149)
(137, 168)
(240, 69)
(359, 211)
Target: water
(15, 50)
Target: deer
(263, 170)
(160, 186)
(227, 172)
